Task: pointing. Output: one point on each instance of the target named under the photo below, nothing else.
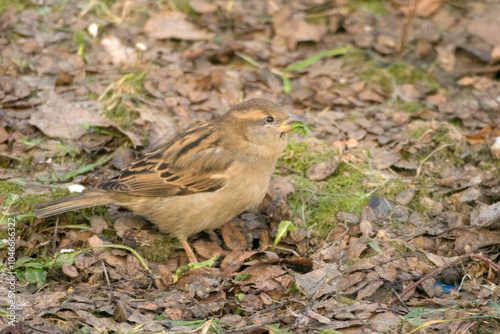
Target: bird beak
(286, 126)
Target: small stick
(54, 239)
(491, 263)
(412, 9)
(432, 273)
(419, 169)
(106, 274)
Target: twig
(419, 169)
(54, 239)
(290, 169)
(432, 273)
(412, 9)
(491, 263)
(401, 300)
(247, 329)
(330, 12)
(106, 274)
(313, 297)
(463, 280)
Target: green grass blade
(287, 86)
(311, 60)
(86, 168)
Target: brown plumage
(202, 178)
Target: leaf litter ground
(391, 202)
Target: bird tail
(69, 203)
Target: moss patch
(345, 300)
(302, 155)
(377, 8)
(398, 72)
(20, 5)
(407, 74)
(417, 133)
(158, 248)
(410, 107)
(25, 202)
(121, 98)
(319, 202)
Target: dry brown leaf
(369, 289)
(264, 241)
(486, 215)
(363, 264)
(169, 24)
(120, 54)
(385, 159)
(233, 261)
(202, 6)
(322, 278)
(165, 279)
(98, 224)
(486, 26)
(294, 29)
(61, 118)
(279, 187)
(232, 237)
(252, 302)
(64, 79)
(387, 272)
(479, 136)
(208, 249)
(371, 96)
(322, 170)
(406, 196)
(201, 282)
(467, 81)
(69, 270)
(428, 7)
(495, 54)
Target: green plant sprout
(283, 229)
(302, 128)
(208, 263)
(287, 86)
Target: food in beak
(286, 126)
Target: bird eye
(269, 119)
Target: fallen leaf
(69, 270)
(60, 118)
(294, 29)
(322, 170)
(279, 188)
(486, 26)
(405, 196)
(98, 224)
(385, 159)
(479, 136)
(203, 6)
(318, 282)
(120, 54)
(428, 7)
(486, 215)
(169, 24)
(208, 249)
(232, 237)
(370, 289)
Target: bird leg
(189, 250)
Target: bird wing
(194, 162)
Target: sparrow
(202, 178)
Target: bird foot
(189, 251)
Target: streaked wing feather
(191, 163)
